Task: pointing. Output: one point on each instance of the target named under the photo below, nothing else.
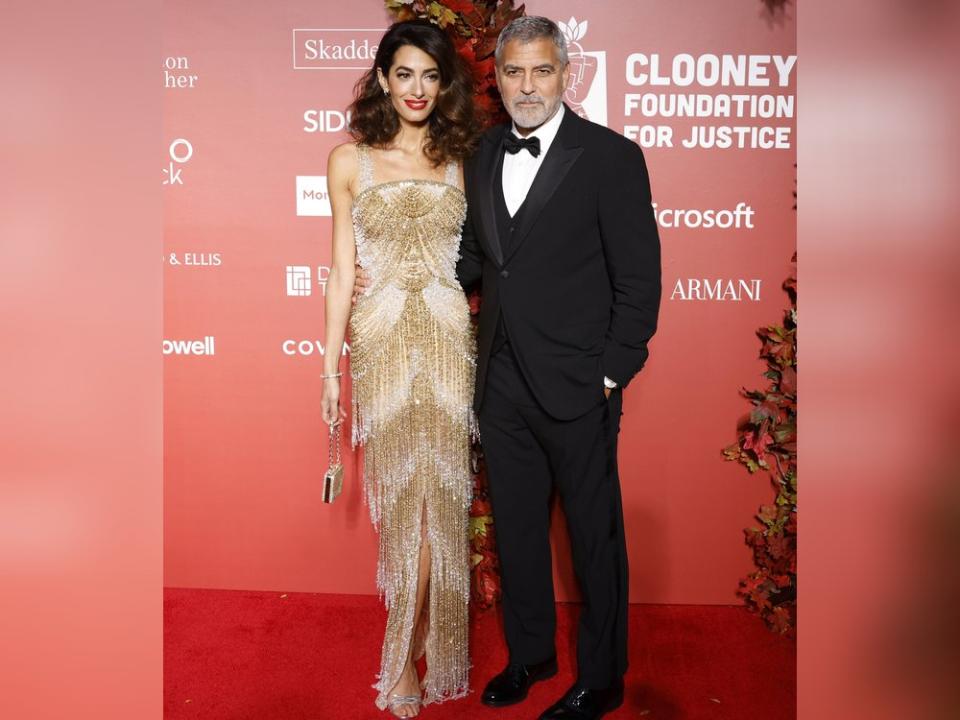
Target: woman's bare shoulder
(344, 155)
(343, 163)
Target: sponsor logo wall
(250, 117)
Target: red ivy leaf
(768, 513)
(460, 6)
(788, 381)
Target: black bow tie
(512, 144)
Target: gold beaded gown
(413, 364)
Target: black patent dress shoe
(580, 703)
(512, 685)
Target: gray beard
(534, 117)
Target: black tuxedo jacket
(579, 290)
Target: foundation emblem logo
(587, 92)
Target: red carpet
(234, 655)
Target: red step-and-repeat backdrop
(255, 98)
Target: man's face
(531, 81)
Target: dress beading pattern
(413, 364)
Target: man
(561, 235)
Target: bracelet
(334, 375)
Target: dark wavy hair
(453, 127)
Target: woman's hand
(361, 282)
(330, 408)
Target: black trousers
(528, 453)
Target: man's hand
(360, 283)
(608, 387)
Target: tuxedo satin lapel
(484, 172)
(563, 153)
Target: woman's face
(413, 83)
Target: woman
(398, 206)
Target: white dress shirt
(519, 169)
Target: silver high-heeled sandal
(395, 700)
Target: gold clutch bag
(333, 478)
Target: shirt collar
(546, 132)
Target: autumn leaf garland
(767, 440)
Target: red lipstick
(416, 104)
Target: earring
(385, 91)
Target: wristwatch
(608, 383)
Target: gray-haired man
(561, 235)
